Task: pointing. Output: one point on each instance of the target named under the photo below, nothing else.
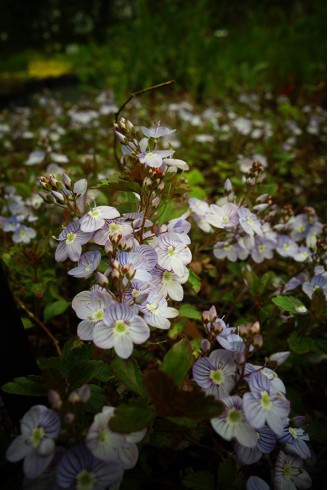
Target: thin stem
(135, 94)
(41, 324)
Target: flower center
(114, 227)
(217, 376)
(85, 480)
(292, 432)
(94, 213)
(152, 308)
(70, 238)
(265, 400)
(37, 436)
(103, 436)
(227, 246)
(288, 471)
(234, 416)
(286, 246)
(301, 228)
(170, 251)
(98, 315)
(120, 327)
(250, 221)
(225, 219)
(260, 248)
(167, 277)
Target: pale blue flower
(40, 427)
(90, 307)
(71, 241)
(249, 222)
(265, 444)
(23, 234)
(120, 328)
(78, 468)
(172, 255)
(111, 446)
(265, 404)
(231, 424)
(95, 219)
(87, 264)
(289, 473)
(157, 312)
(214, 374)
(256, 483)
(286, 247)
(295, 439)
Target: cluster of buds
(61, 193)
(254, 174)
(68, 408)
(123, 129)
(251, 334)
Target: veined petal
(85, 329)
(103, 336)
(18, 449)
(123, 346)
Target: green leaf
(194, 177)
(30, 385)
(176, 329)
(228, 477)
(189, 311)
(84, 371)
(291, 304)
(128, 372)
(55, 309)
(299, 345)
(131, 417)
(27, 323)
(177, 361)
(200, 480)
(118, 184)
(194, 281)
(97, 400)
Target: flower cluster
(256, 408)
(256, 233)
(138, 266)
(20, 214)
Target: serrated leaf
(189, 311)
(55, 309)
(53, 363)
(170, 401)
(194, 281)
(177, 361)
(30, 385)
(84, 371)
(290, 304)
(200, 480)
(128, 372)
(131, 417)
(120, 185)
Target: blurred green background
(211, 47)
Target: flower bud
(258, 340)
(101, 279)
(55, 400)
(69, 418)
(58, 196)
(74, 397)
(67, 181)
(255, 328)
(84, 393)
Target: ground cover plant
(169, 263)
